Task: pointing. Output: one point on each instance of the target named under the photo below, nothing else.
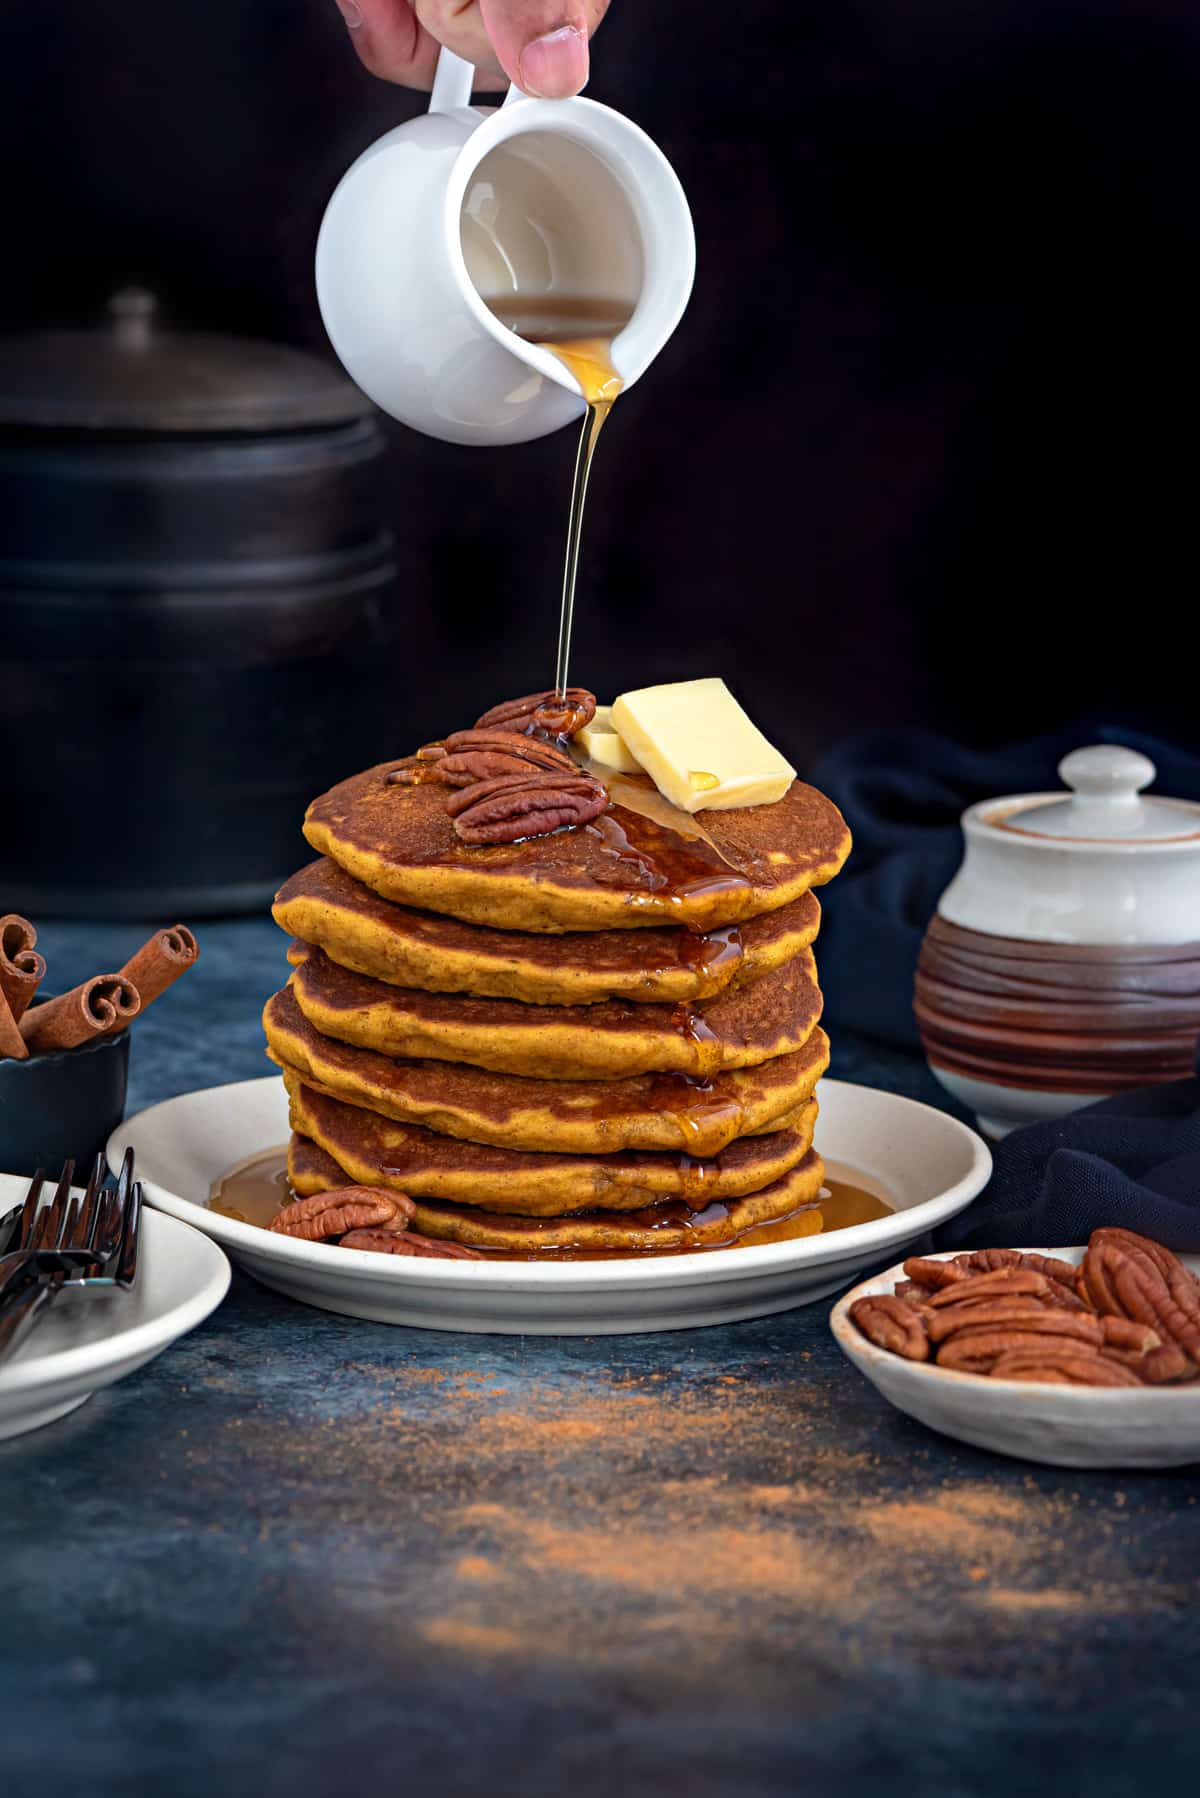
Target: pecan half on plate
(385, 1242)
(343, 1208)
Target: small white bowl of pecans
(1081, 1357)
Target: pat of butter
(699, 747)
(600, 742)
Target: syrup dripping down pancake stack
(602, 1038)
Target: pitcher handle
(453, 80)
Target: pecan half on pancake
(518, 806)
(556, 714)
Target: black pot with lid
(199, 616)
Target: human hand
(541, 45)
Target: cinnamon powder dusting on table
(613, 1519)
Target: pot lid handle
(133, 312)
(1106, 781)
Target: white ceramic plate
(927, 1165)
(1064, 1426)
(86, 1342)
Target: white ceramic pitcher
(562, 198)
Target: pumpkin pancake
(654, 1229)
(642, 862)
(652, 1111)
(405, 947)
(377, 1151)
(612, 1040)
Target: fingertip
(555, 65)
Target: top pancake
(323, 905)
(641, 863)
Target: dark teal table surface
(300, 1554)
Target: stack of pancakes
(602, 1040)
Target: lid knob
(132, 311)
(1105, 774)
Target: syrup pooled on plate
(253, 1191)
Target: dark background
(922, 449)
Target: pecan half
(934, 1273)
(912, 1292)
(988, 1261)
(518, 806)
(341, 1209)
(558, 715)
(891, 1324)
(417, 770)
(1132, 1277)
(1013, 1314)
(1066, 1298)
(1120, 1333)
(1163, 1366)
(1006, 1282)
(477, 755)
(1062, 1364)
(977, 1351)
(384, 1242)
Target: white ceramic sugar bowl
(1064, 960)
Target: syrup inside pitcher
(551, 245)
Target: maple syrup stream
(580, 333)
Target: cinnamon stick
(21, 967)
(159, 963)
(12, 1043)
(99, 1007)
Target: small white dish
(1063, 1426)
(86, 1343)
(926, 1164)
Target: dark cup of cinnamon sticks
(61, 1102)
(64, 1058)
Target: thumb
(542, 45)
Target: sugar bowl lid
(1106, 803)
(1102, 863)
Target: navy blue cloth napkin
(1132, 1160)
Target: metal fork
(85, 1244)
